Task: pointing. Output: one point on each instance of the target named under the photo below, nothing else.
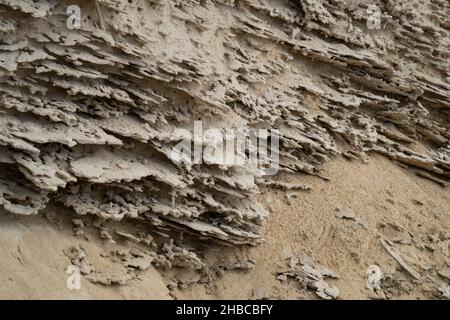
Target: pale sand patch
(381, 193)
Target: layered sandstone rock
(89, 116)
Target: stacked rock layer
(89, 114)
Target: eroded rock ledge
(87, 116)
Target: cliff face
(90, 114)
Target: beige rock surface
(92, 117)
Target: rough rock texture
(89, 116)
(311, 276)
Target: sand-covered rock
(92, 109)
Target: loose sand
(397, 206)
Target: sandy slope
(380, 192)
(397, 206)
(33, 265)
